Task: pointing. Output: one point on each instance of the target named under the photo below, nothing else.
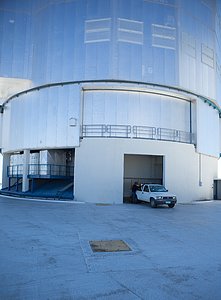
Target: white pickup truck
(156, 194)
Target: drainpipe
(191, 130)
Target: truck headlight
(159, 197)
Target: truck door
(145, 193)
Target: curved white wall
(208, 141)
(43, 119)
(186, 174)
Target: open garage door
(141, 168)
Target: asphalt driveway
(45, 251)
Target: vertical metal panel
(207, 131)
(41, 120)
(134, 108)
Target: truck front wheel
(152, 203)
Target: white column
(25, 181)
(5, 164)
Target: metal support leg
(9, 183)
(17, 179)
(32, 185)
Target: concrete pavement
(45, 251)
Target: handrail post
(154, 132)
(17, 179)
(135, 131)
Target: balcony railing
(174, 135)
(144, 132)
(137, 132)
(100, 130)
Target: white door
(145, 194)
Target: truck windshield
(157, 188)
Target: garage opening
(143, 169)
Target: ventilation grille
(189, 44)
(130, 31)
(207, 56)
(97, 30)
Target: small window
(146, 189)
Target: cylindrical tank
(131, 69)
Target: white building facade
(111, 92)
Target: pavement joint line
(202, 201)
(42, 200)
(124, 286)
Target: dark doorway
(143, 169)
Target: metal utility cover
(109, 246)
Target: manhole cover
(109, 246)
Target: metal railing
(41, 170)
(94, 130)
(144, 132)
(118, 130)
(50, 170)
(175, 135)
(101, 130)
(137, 132)
(15, 171)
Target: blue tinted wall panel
(167, 42)
(15, 17)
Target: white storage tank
(34, 163)
(16, 164)
(52, 162)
